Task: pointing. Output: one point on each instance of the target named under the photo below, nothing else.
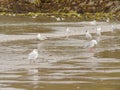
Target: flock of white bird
(56, 18)
(34, 54)
(90, 43)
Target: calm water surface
(62, 64)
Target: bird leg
(91, 49)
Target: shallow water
(62, 64)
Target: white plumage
(33, 55)
(58, 19)
(108, 20)
(113, 28)
(41, 37)
(93, 22)
(98, 31)
(62, 18)
(52, 16)
(67, 30)
(90, 44)
(14, 15)
(35, 16)
(88, 35)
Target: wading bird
(41, 37)
(113, 28)
(93, 22)
(33, 55)
(67, 32)
(98, 31)
(88, 35)
(58, 19)
(90, 44)
(108, 20)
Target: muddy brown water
(61, 64)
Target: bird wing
(86, 45)
(88, 35)
(32, 55)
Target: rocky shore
(66, 6)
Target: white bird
(90, 44)
(88, 35)
(67, 30)
(35, 16)
(41, 37)
(108, 20)
(9, 14)
(52, 16)
(93, 22)
(33, 55)
(78, 15)
(98, 31)
(58, 19)
(62, 19)
(14, 15)
(113, 28)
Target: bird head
(35, 50)
(94, 41)
(87, 31)
(99, 29)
